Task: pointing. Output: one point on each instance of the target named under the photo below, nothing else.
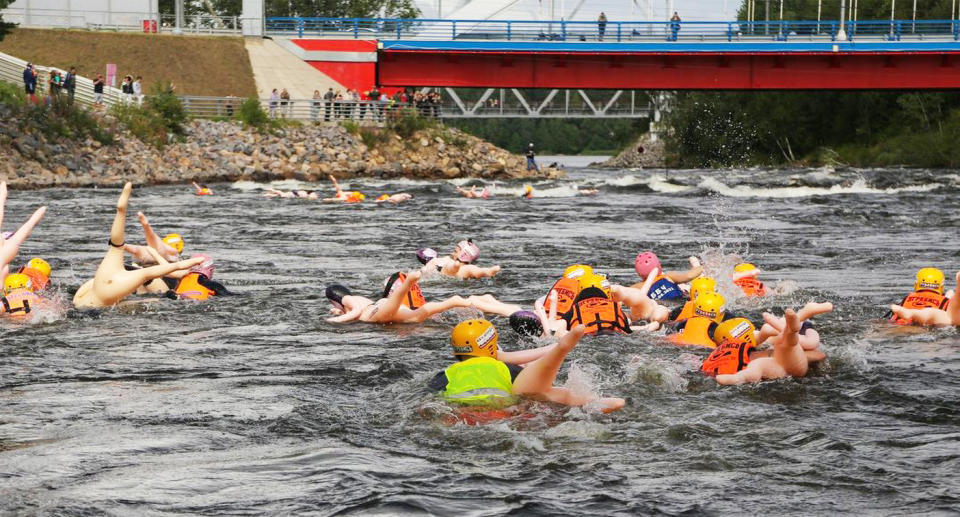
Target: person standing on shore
(601, 25)
(531, 159)
(30, 83)
(138, 90)
(98, 90)
(70, 83)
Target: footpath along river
(254, 404)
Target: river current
(254, 404)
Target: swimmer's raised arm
(10, 247)
(162, 261)
(679, 277)
(336, 185)
(155, 241)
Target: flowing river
(255, 405)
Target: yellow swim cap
(929, 279)
(40, 265)
(527, 188)
(710, 305)
(596, 280)
(383, 197)
(577, 271)
(735, 330)
(700, 285)
(476, 337)
(175, 241)
(16, 281)
(745, 266)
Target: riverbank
(213, 151)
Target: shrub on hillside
(143, 123)
(59, 119)
(407, 121)
(252, 114)
(352, 127)
(11, 94)
(167, 107)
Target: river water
(255, 405)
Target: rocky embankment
(645, 152)
(224, 151)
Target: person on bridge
(601, 25)
(531, 159)
(674, 26)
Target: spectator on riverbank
(138, 90)
(98, 91)
(674, 26)
(274, 100)
(285, 105)
(328, 104)
(531, 159)
(127, 89)
(54, 84)
(601, 25)
(30, 82)
(315, 105)
(70, 83)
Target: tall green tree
(4, 26)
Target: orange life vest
(696, 331)
(38, 280)
(729, 357)
(567, 290)
(414, 298)
(20, 302)
(751, 286)
(190, 288)
(921, 300)
(204, 192)
(600, 316)
(687, 312)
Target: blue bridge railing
(612, 31)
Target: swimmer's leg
(388, 307)
(953, 310)
(429, 309)
(112, 263)
(787, 351)
(536, 380)
(639, 301)
(756, 371)
(488, 304)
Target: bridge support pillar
(252, 17)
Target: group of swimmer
(580, 302)
(339, 197)
(583, 302)
(528, 193)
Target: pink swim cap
(205, 268)
(645, 263)
(468, 251)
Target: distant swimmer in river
(927, 293)
(482, 378)
(667, 285)
(344, 197)
(293, 194)
(733, 361)
(349, 307)
(527, 192)
(932, 315)
(459, 264)
(10, 244)
(745, 277)
(201, 190)
(473, 194)
(396, 198)
(112, 282)
(169, 247)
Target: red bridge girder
(672, 71)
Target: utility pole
(781, 10)
(766, 26)
(914, 16)
(893, 10)
(842, 33)
(819, 10)
(178, 14)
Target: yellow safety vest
(479, 381)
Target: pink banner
(112, 74)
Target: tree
(4, 26)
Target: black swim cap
(526, 323)
(336, 292)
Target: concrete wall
(80, 13)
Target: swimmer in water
(38, 270)
(169, 246)
(745, 277)
(343, 197)
(10, 245)
(788, 359)
(196, 283)
(460, 262)
(112, 282)
(348, 307)
(667, 284)
(527, 192)
(201, 190)
(473, 194)
(414, 299)
(482, 377)
(638, 301)
(927, 293)
(932, 316)
(293, 194)
(588, 191)
(394, 199)
(19, 296)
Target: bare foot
(124, 199)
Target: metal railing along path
(11, 71)
(611, 31)
(307, 110)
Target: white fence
(135, 21)
(315, 110)
(11, 71)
